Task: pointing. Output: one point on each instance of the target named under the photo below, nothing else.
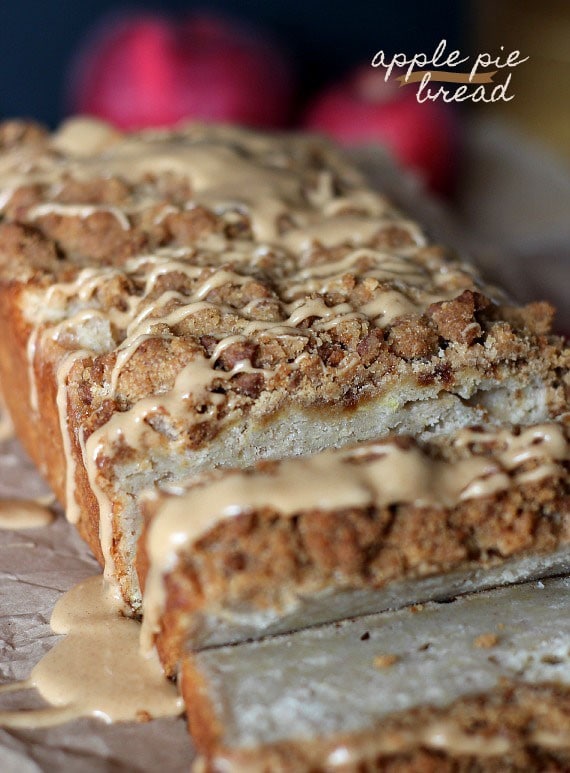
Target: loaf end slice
(479, 683)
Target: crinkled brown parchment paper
(36, 567)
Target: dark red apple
(146, 70)
(364, 108)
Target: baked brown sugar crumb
(385, 660)
(486, 640)
(250, 554)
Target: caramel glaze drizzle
(96, 670)
(25, 513)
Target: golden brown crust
(41, 439)
(40, 433)
(530, 725)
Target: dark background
(37, 39)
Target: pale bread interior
(326, 681)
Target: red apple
(149, 70)
(363, 108)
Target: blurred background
(38, 39)
(502, 169)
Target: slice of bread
(242, 554)
(479, 683)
